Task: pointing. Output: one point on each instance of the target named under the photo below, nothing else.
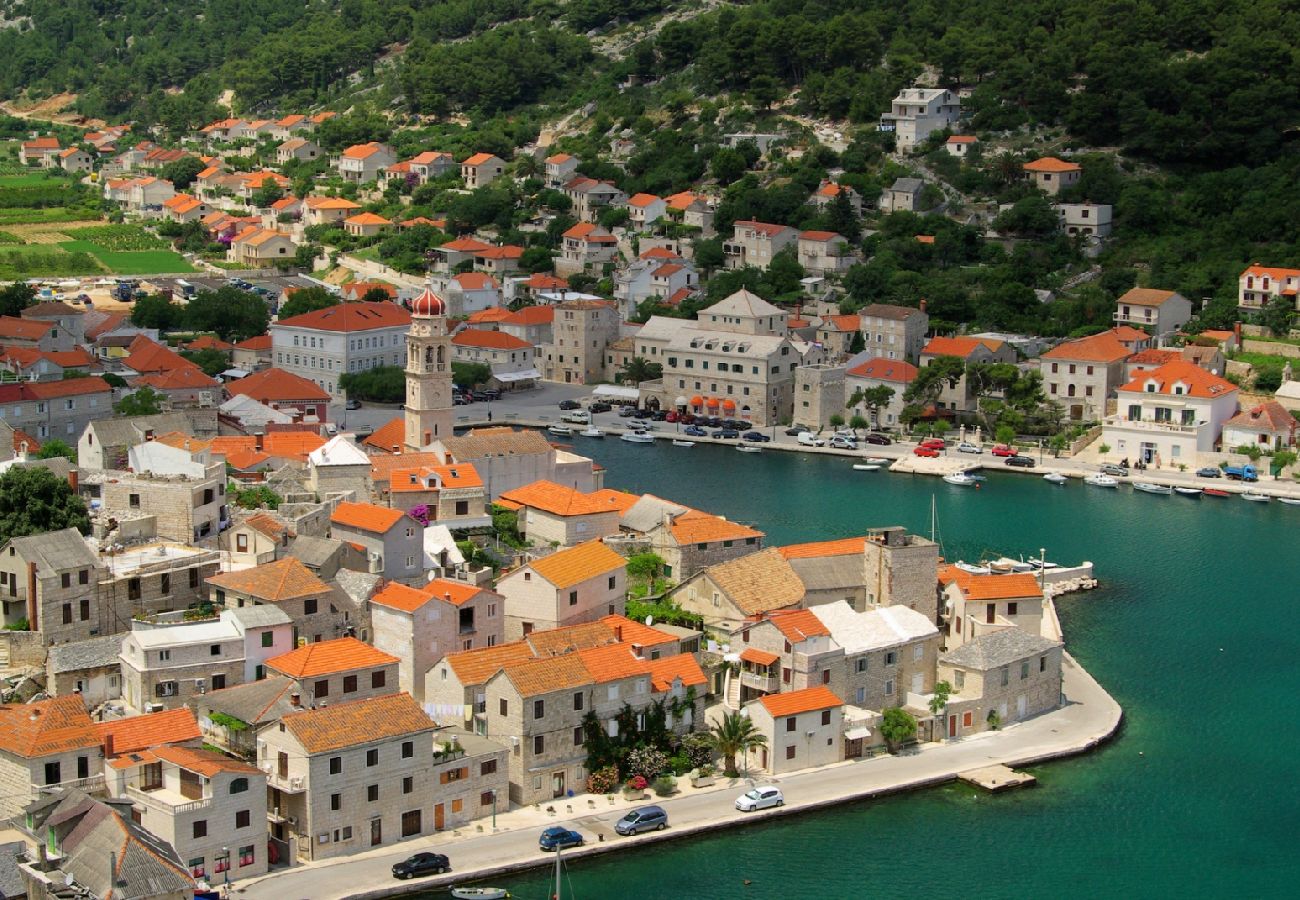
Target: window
(408, 784)
(488, 767)
(214, 650)
(133, 501)
(889, 687)
(268, 639)
(573, 598)
(1024, 670)
(789, 752)
(322, 688)
(65, 580)
(862, 664)
(197, 868)
(241, 543)
(336, 802)
(238, 785)
(201, 828)
(785, 675)
(1042, 663)
(539, 744)
(1006, 675)
(349, 684)
(408, 749)
(242, 818)
(891, 658)
(503, 707)
(539, 709)
(378, 679)
(826, 717)
(309, 606)
(1012, 608)
(248, 855)
(487, 798)
(577, 702)
(83, 577)
(792, 723)
(67, 614)
(611, 582)
(336, 765)
(958, 680)
(372, 793)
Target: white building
(323, 345)
(1160, 312)
(1257, 285)
(1166, 416)
(917, 112)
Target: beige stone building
(318, 610)
(568, 587)
(163, 666)
(687, 540)
(806, 656)
(46, 744)
(819, 393)
(961, 397)
(803, 728)
(1161, 313)
(50, 581)
(184, 508)
(351, 776)
(580, 332)
(1002, 677)
(755, 243)
(895, 332)
(340, 670)
(975, 605)
(550, 513)
(394, 542)
(1052, 175)
(895, 374)
(1082, 375)
(902, 570)
(726, 595)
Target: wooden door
(439, 817)
(376, 832)
(952, 726)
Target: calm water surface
(1193, 632)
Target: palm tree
(733, 735)
(639, 369)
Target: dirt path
(51, 109)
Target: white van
(808, 439)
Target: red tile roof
(351, 317)
(795, 702)
(283, 579)
(1269, 416)
(278, 385)
(797, 624)
(345, 654)
(565, 568)
(1104, 348)
(374, 719)
(1188, 378)
(1146, 297)
(881, 369)
(491, 340)
(1051, 164)
(47, 727)
(367, 517)
(389, 435)
(758, 657)
(174, 726)
(408, 599)
(991, 587)
(961, 347)
(850, 546)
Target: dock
(997, 778)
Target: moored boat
(867, 467)
(636, 437)
(1101, 480)
(1055, 478)
(876, 461)
(480, 893)
(1289, 501)
(1188, 491)
(683, 443)
(1147, 487)
(1215, 492)
(971, 569)
(1255, 497)
(561, 430)
(961, 479)
(593, 431)
(748, 448)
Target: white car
(968, 447)
(760, 798)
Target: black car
(484, 395)
(1025, 462)
(879, 440)
(570, 404)
(757, 437)
(1209, 472)
(598, 406)
(659, 415)
(727, 433)
(422, 864)
(352, 404)
(796, 430)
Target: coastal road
(1088, 717)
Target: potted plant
(635, 789)
(703, 776)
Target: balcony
(290, 784)
(761, 680)
(92, 785)
(1153, 426)
(167, 801)
(1136, 317)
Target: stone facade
(1014, 690)
(188, 510)
(902, 570)
(164, 667)
(818, 394)
(534, 604)
(798, 740)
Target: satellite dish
(649, 620)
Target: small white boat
(748, 448)
(561, 430)
(1254, 497)
(1188, 491)
(1101, 480)
(636, 437)
(1055, 478)
(1147, 487)
(683, 443)
(1289, 501)
(961, 479)
(483, 893)
(593, 431)
(876, 461)
(971, 569)
(867, 467)
(1005, 565)
(1035, 564)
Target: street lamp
(225, 851)
(1042, 568)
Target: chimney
(1236, 333)
(108, 746)
(74, 478)
(22, 451)
(618, 633)
(922, 304)
(638, 651)
(447, 596)
(33, 608)
(295, 699)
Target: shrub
(697, 749)
(680, 764)
(646, 762)
(635, 784)
(603, 781)
(665, 786)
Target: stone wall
(23, 648)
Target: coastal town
(344, 590)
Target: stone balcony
(166, 800)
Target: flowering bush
(602, 781)
(637, 783)
(646, 761)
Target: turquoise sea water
(1193, 631)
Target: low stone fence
(23, 648)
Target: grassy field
(40, 262)
(117, 237)
(32, 178)
(25, 216)
(7, 238)
(131, 262)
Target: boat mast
(556, 895)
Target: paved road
(1088, 717)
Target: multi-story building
(1052, 175)
(1168, 415)
(895, 332)
(1083, 374)
(789, 650)
(349, 776)
(323, 345)
(803, 729)
(755, 243)
(580, 332)
(1257, 285)
(393, 541)
(902, 570)
(550, 513)
(481, 169)
(975, 605)
(49, 582)
(961, 396)
(687, 540)
(917, 112)
(819, 393)
(55, 409)
(645, 209)
(1160, 312)
(895, 374)
(316, 610)
(1090, 220)
(184, 508)
(824, 252)
(560, 169)
(301, 398)
(511, 359)
(209, 807)
(591, 197)
(362, 163)
(728, 594)
(580, 584)
(1002, 677)
(333, 671)
(90, 669)
(46, 744)
(586, 245)
(421, 626)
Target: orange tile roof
(881, 369)
(491, 314)
(204, 762)
(566, 568)
(174, 726)
(843, 323)
(640, 201)
(366, 218)
(292, 444)
(612, 662)
(795, 702)
(259, 342)
(382, 465)
(464, 245)
(991, 587)
(821, 237)
(1051, 164)
(797, 624)
(477, 666)
(961, 347)
(1145, 296)
(182, 441)
(665, 670)
(69, 387)
(477, 159)
(476, 281)
(331, 203)
(277, 384)
(1195, 381)
(350, 317)
(367, 517)
(224, 445)
(345, 654)
(695, 527)
(452, 477)
(559, 158)
(962, 139)
(246, 460)
(545, 676)
(209, 342)
(630, 631)
(1270, 416)
(682, 200)
(177, 380)
(1104, 348)
(407, 599)
(925, 239)
(508, 251)
(390, 434)
(267, 525)
(563, 500)
(57, 725)
(758, 657)
(818, 549)
(533, 315)
(283, 579)
(363, 151)
(491, 340)
(357, 722)
(1273, 272)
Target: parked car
(925, 451)
(485, 395)
(1003, 450)
(880, 440)
(421, 864)
(598, 406)
(695, 431)
(352, 404)
(570, 404)
(643, 818)
(1209, 472)
(627, 412)
(760, 798)
(1024, 462)
(935, 444)
(460, 400)
(727, 434)
(808, 439)
(796, 430)
(756, 436)
(577, 417)
(672, 416)
(1121, 471)
(659, 415)
(968, 447)
(555, 838)
(840, 442)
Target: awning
(728, 404)
(711, 403)
(697, 400)
(758, 657)
(614, 390)
(680, 401)
(857, 734)
(525, 375)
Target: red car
(1003, 450)
(671, 417)
(934, 444)
(925, 451)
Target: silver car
(760, 798)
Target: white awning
(615, 390)
(526, 375)
(857, 734)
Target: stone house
(46, 744)
(829, 193)
(645, 209)
(918, 112)
(136, 734)
(337, 467)
(511, 360)
(688, 540)
(805, 656)
(340, 670)
(50, 580)
(481, 169)
(961, 145)
(268, 633)
(804, 729)
(186, 509)
(75, 160)
(978, 604)
(585, 245)
(317, 610)
(1267, 426)
(107, 443)
(895, 332)
(420, 626)
(902, 570)
(591, 197)
(755, 243)
(580, 584)
(1091, 220)
(1052, 175)
(393, 540)
(895, 374)
(163, 666)
(1083, 374)
(362, 163)
(210, 808)
(560, 169)
(257, 540)
(824, 252)
(969, 350)
(836, 334)
(90, 669)
(727, 594)
(324, 557)
(451, 495)
(350, 776)
(904, 195)
(580, 332)
(254, 704)
(1161, 313)
(550, 513)
(471, 778)
(1002, 677)
(298, 148)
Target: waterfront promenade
(1088, 717)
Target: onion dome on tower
(428, 304)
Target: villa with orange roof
(257, 247)
(284, 391)
(1083, 374)
(1052, 175)
(74, 160)
(317, 610)
(755, 243)
(729, 594)
(185, 208)
(1168, 415)
(419, 626)
(328, 210)
(829, 193)
(560, 169)
(366, 224)
(46, 743)
(689, 540)
(1257, 285)
(362, 163)
(960, 145)
(895, 374)
(804, 729)
(579, 584)
(297, 148)
(322, 345)
(453, 494)
(41, 150)
(510, 359)
(480, 170)
(468, 292)
(788, 650)
(335, 671)
(968, 350)
(550, 513)
(393, 541)
(975, 605)
(825, 252)
(584, 245)
(646, 209)
(1161, 313)
(591, 196)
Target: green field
(32, 178)
(44, 261)
(50, 214)
(7, 238)
(131, 262)
(118, 237)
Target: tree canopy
(33, 500)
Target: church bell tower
(429, 415)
